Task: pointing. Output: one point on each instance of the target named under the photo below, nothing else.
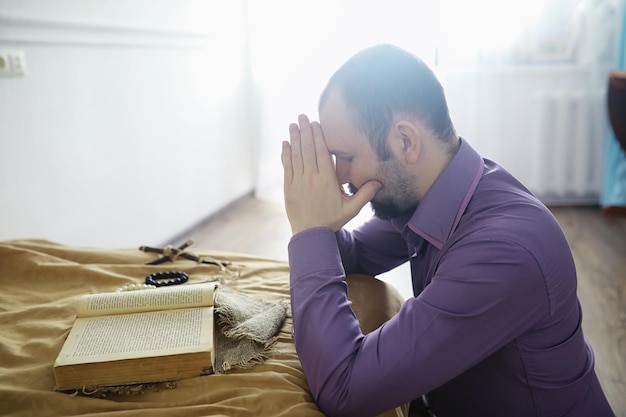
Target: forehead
(337, 123)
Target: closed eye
(342, 155)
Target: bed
(41, 281)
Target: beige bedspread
(41, 281)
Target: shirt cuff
(313, 251)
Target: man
(494, 329)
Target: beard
(387, 210)
(398, 195)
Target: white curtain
(503, 65)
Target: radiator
(567, 141)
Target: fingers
(324, 159)
(296, 149)
(285, 157)
(307, 144)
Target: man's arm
(373, 248)
(480, 300)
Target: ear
(411, 140)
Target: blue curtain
(614, 189)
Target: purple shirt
(494, 328)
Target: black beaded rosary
(172, 277)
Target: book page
(180, 296)
(125, 336)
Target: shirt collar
(440, 211)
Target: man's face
(357, 162)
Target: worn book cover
(142, 336)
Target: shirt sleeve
(373, 248)
(484, 294)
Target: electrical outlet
(12, 63)
(4, 64)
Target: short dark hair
(384, 81)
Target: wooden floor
(598, 244)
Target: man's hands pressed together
(313, 195)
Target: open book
(142, 336)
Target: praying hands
(313, 195)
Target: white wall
(132, 123)
(526, 89)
